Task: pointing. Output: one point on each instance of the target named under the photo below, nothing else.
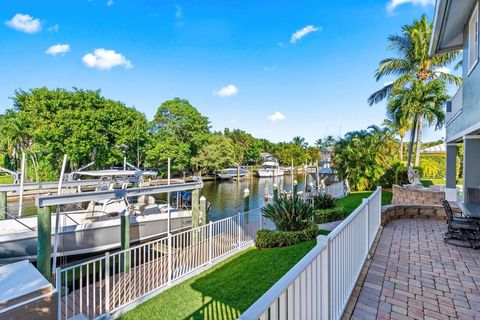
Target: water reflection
(226, 197)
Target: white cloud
(226, 91)
(270, 68)
(110, 3)
(393, 4)
(180, 18)
(24, 23)
(276, 116)
(54, 28)
(233, 121)
(299, 34)
(106, 59)
(58, 49)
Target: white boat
(230, 173)
(95, 226)
(269, 169)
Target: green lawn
(226, 290)
(6, 179)
(354, 199)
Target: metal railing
(107, 284)
(319, 286)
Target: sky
(276, 69)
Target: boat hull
(262, 173)
(91, 238)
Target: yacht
(270, 169)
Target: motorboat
(94, 226)
(270, 169)
(230, 173)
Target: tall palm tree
(300, 141)
(419, 101)
(413, 63)
(397, 122)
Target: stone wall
(417, 196)
(435, 212)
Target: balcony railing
(454, 106)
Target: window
(473, 40)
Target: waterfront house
(456, 28)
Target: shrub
(289, 214)
(329, 215)
(323, 201)
(277, 238)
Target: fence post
(58, 285)
(261, 220)
(239, 231)
(367, 238)
(169, 258)
(246, 203)
(327, 276)
(107, 281)
(210, 240)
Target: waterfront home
(456, 28)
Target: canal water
(226, 197)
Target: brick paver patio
(415, 275)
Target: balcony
(454, 106)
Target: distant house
(438, 149)
(456, 28)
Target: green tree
(179, 130)
(216, 154)
(413, 63)
(362, 157)
(80, 123)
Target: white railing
(107, 284)
(319, 286)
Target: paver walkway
(415, 275)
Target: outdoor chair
(460, 228)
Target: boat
(269, 169)
(230, 173)
(95, 226)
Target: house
(456, 28)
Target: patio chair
(460, 228)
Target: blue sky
(276, 69)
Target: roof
(449, 21)
(439, 148)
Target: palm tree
(299, 141)
(13, 136)
(413, 63)
(420, 101)
(397, 122)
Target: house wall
(469, 118)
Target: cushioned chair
(460, 228)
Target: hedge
(276, 238)
(329, 215)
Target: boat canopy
(115, 173)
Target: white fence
(336, 189)
(319, 286)
(104, 285)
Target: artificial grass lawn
(225, 290)
(354, 199)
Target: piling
(125, 237)
(275, 191)
(195, 207)
(44, 242)
(246, 203)
(203, 210)
(3, 205)
(295, 189)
